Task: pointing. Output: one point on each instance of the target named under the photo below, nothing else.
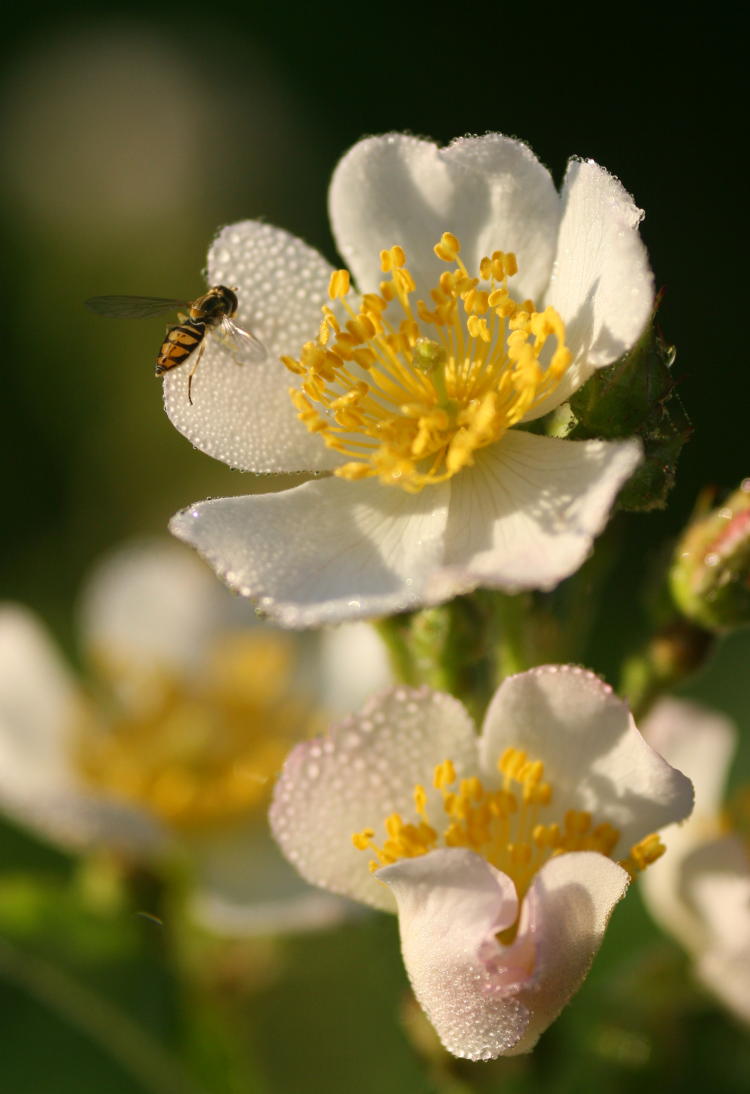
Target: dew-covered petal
(451, 904)
(486, 999)
(242, 413)
(594, 757)
(354, 778)
(323, 552)
(151, 605)
(526, 514)
(243, 885)
(602, 284)
(563, 918)
(490, 191)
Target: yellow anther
(577, 822)
(338, 285)
(363, 839)
(448, 248)
(469, 354)
(445, 775)
(392, 259)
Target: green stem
(138, 1053)
(669, 657)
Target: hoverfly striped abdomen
(210, 314)
(179, 343)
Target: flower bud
(710, 576)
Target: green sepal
(636, 396)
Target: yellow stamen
(513, 826)
(195, 753)
(437, 379)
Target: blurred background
(128, 136)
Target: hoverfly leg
(191, 374)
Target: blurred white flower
(503, 854)
(172, 746)
(485, 298)
(700, 893)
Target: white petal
(526, 514)
(366, 769)
(485, 999)
(243, 885)
(593, 755)
(490, 191)
(74, 817)
(37, 704)
(242, 413)
(716, 884)
(565, 915)
(699, 742)
(602, 285)
(353, 665)
(451, 904)
(152, 605)
(39, 786)
(325, 551)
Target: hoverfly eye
(230, 299)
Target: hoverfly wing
(242, 344)
(134, 307)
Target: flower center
(409, 391)
(196, 753)
(512, 826)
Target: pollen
(513, 824)
(408, 390)
(196, 753)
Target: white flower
(700, 893)
(408, 407)
(171, 748)
(497, 929)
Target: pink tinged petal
(323, 552)
(241, 412)
(526, 514)
(565, 915)
(451, 904)
(594, 757)
(602, 285)
(485, 999)
(490, 191)
(152, 605)
(365, 770)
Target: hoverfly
(211, 312)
